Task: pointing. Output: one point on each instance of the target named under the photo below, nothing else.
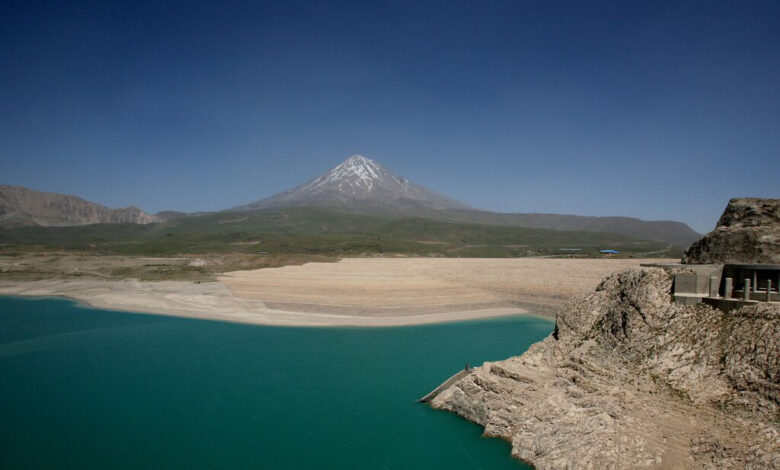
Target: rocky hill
(21, 207)
(747, 232)
(630, 379)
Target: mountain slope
(359, 182)
(20, 207)
(676, 233)
(364, 186)
(321, 231)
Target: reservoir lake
(87, 388)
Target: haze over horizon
(661, 111)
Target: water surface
(87, 388)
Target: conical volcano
(359, 182)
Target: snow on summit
(359, 181)
(356, 170)
(358, 165)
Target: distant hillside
(20, 207)
(320, 231)
(676, 233)
(358, 189)
(364, 186)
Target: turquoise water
(86, 388)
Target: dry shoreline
(369, 292)
(206, 302)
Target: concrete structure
(447, 384)
(724, 286)
(754, 281)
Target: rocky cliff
(21, 207)
(747, 232)
(630, 379)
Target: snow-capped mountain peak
(359, 180)
(359, 173)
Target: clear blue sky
(659, 110)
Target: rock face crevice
(631, 379)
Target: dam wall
(447, 384)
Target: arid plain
(350, 292)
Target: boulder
(747, 232)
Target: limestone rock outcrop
(747, 232)
(630, 379)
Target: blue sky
(658, 110)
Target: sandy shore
(352, 292)
(386, 286)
